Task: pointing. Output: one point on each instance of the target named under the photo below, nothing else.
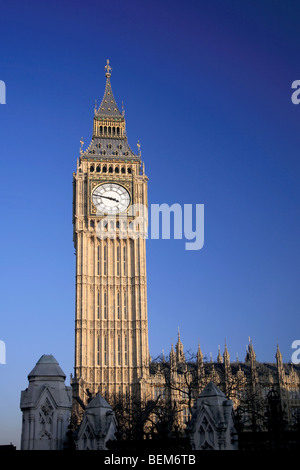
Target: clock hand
(107, 197)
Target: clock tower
(111, 326)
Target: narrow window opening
(125, 350)
(118, 260)
(98, 350)
(98, 304)
(105, 306)
(118, 305)
(105, 350)
(98, 260)
(119, 350)
(124, 260)
(105, 260)
(125, 306)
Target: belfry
(111, 326)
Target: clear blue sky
(207, 89)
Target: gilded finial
(81, 144)
(108, 68)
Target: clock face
(111, 198)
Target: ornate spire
(179, 349)
(109, 140)
(226, 355)
(172, 354)
(199, 354)
(250, 354)
(251, 350)
(219, 358)
(278, 356)
(108, 108)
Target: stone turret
(212, 423)
(46, 407)
(98, 425)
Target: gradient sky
(206, 87)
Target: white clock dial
(111, 198)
